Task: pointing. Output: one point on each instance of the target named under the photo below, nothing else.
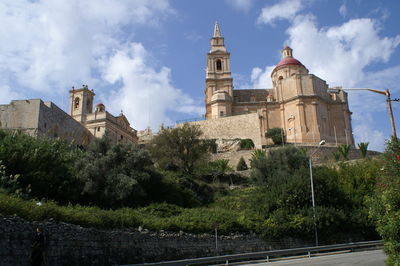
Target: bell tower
(219, 86)
(81, 103)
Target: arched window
(76, 102)
(219, 65)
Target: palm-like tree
(363, 146)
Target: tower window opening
(219, 65)
(76, 102)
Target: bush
(276, 134)
(241, 166)
(212, 145)
(385, 205)
(45, 167)
(363, 146)
(344, 151)
(246, 144)
(179, 148)
(117, 176)
(278, 165)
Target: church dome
(100, 107)
(287, 59)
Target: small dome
(288, 61)
(99, 104)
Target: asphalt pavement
(364, 258)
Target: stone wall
(324, 154)
(38, 118)
(246, 126)
(74, 245)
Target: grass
(155, 217)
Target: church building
(83, 123)
(98, 121)
(298, 102)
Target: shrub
(276, 134)
(45, 166)
(336, 156)
(220, 166)
(385, 207)
(344, 151)
(212, 145)
(241, 166)
(116, 176)
(246, 144)
(363, 146)
(279, 164)
(180, 148)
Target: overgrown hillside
(173, 186)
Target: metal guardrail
(267, 254)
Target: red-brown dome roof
(288, 61)
(100, 104)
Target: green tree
(385, 207)
(279, 164)
(221, 166)
(119, 175)
(241, 166)
(283, 196)
(276, 134)
(363, 146)
(45, 166)
(180, 148)
(344, 151)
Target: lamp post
(322, 142)
(383, 92)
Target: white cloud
(241, 5)
(340, 55)
(286, 9)
(261, 79)
(145, 94)
(343, 10)
(50, 45)
(366, 133)
(6, 94)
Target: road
(364, 258)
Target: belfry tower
(219, 86)
(81, 103)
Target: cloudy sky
(147, 58)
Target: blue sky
(147, 58)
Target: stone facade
(299, 102)
(38, 118)
(68, 244)
(323, 154)
(231, 127)
(98, 121)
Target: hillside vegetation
(172, 186)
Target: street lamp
(322, 142)
(384, 92)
